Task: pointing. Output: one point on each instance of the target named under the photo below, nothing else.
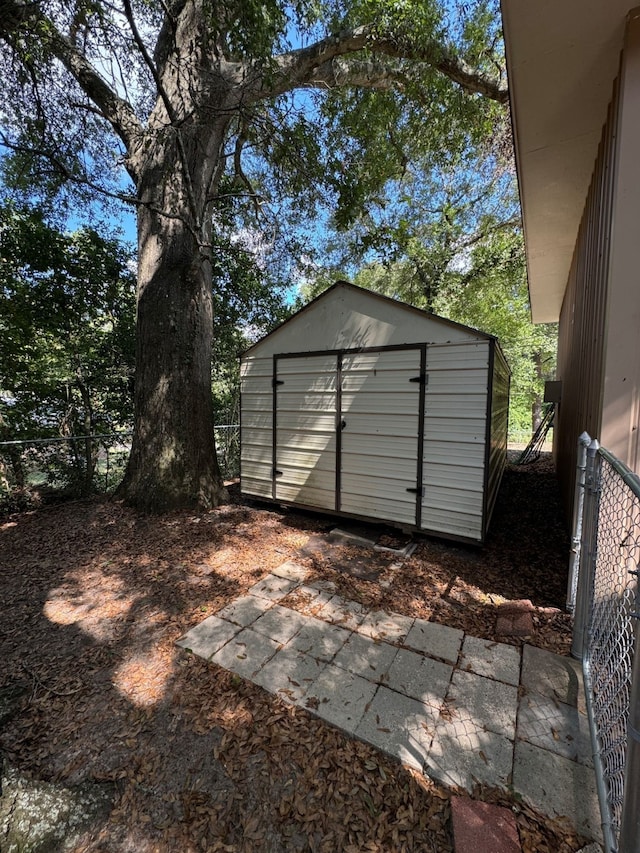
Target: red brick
(522, 605)
(483, 828)
(515, 625)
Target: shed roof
(562, 59)
(405, 316)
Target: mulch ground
(94, 596)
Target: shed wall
(455, 438)
(256, 427)
(498, 428)
(351, 319)
(411, 431)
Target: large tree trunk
(173, 458)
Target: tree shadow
(94, 597)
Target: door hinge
(423, 379)
(419, 491)
(275, 382)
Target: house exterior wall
(620, 404)
(599, 347)
(582, 327)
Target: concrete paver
(323, 585)
(381, 677)
(555, 726)
(310, 599)
(399, 725)
(289, 674)
(273, 587)
(246, 653)
(279, 623)
(244, 610)
(390, 627)
(465, 754)
(292, 571)
(435, 640)
(209, 636)
(420, 677)
(339, 697)
(489, 704)
(340, 611)
(557, 787)
(320, 639)
(494, 660)
(365, 657)
(554, 676)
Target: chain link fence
(35, 470)
(603, 592)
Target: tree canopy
(270, 108)
(67, 304)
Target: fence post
(576, 529)
(630, 820)
(588, 544)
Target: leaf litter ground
(95, 596)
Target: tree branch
(240, 176)
(302, 67)
(67, 173)
(15, 14)
(171, 113)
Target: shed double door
(347, 430)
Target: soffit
(562, 59)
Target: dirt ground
(94, 596)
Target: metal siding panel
(394, 467)
(454, 453)
(499, 426)
(255, 366)
(457, 404)
(307, 495)
(454, 500)
(447, 475)
(465, 356)
(305, 445)
(382, 402)
(445, 381)
(256, 427)
(454, 434)
(459, 432)
(319, 459)
(582, 330)
(452, 523)
(383, 507)
(289, 439)
(381, 424)
(259, 487)
(383, 410)
(256, 403)
(258, 453)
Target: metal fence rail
(603, 586)
(77, 466)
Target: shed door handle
(343, 424)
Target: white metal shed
(365, 407)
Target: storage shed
(365, 407)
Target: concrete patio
(463, 710)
